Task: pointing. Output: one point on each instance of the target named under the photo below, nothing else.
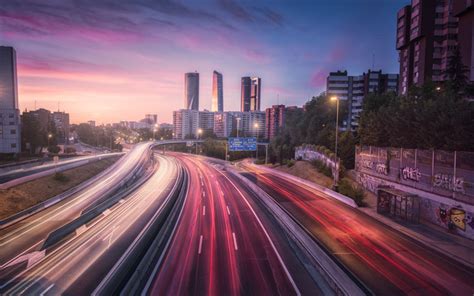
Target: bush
(356, 193)
(284, 161)
(260, 161)
(290, 163)
(60, 177)
(54, 149)
(322, 168)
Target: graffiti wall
(443, 180)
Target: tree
(456, 73)
(31, 133)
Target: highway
(221, 246)
(386, 261)
(78, 265)
(21, 242)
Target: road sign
(242, 144)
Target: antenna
(373, 61)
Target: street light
(49, 138)
(199, 137)
(334, 98)
(256, 144)
(438, 88)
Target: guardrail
(58, 198)
(131, 274)
(342, 281)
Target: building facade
(427, 34)
(191, 91)
(61, 122)
(217, 92)
(274, 120)
(464, 11)
(245, 83)
(255, 93)
(353, 89)
(10, 129)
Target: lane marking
(204, 193)
(46, 290)
(235, 241)
(228, 211)
(204, 210)
(200, 245)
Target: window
(12, 123)
(11, 115)
(13, 132)
(13, 145)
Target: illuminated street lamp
(49, 138)
(199, 136)
(155, 127)
(438, 88)
(334, 98)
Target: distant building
(427, 34)
(61, 122)
(250, 94)
(10, 130)
(42, 116)
(245, 83)
(464, 11)
(91, 123)
(353, 89)
(152, 119)
(255, 93)
(191, 91)
(166, 126)
(274, 120)
(217, 92)
(186, 123)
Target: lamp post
(199, 137)
(336, 170)
(49, 138)
(256, 144)
(154, 130)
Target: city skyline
(101, 58)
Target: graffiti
(368, 164)
(458, 218)
(448, 182)
(370, 183)
(412, 174)
(443, 215)
(381, 168)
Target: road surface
(386, 261)
(20, 241)
(220, 247)
(78, 265)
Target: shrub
(322, 168)
(284, 161)
(354, 192)
(290, 163)
(260, 161)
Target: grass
(23, 196)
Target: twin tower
(250, 96)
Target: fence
(312, 152)
(449, 174)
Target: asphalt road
(386, 261)
(78, 266)
(20, 242)
(220, 246)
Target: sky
(118, 60)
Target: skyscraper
(245, 94)
(9, 113)
(217, 93)
(255, 93)
(191, 91)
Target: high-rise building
(245, 94)
(464, 11)
(151, 119)
(255, 94)
(353, 89)
(9, 114)
(222, 124)
(191, 91)
(274, 120)
(61, 122)
(427, 33)
(217, 92)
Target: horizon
(93, 59)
